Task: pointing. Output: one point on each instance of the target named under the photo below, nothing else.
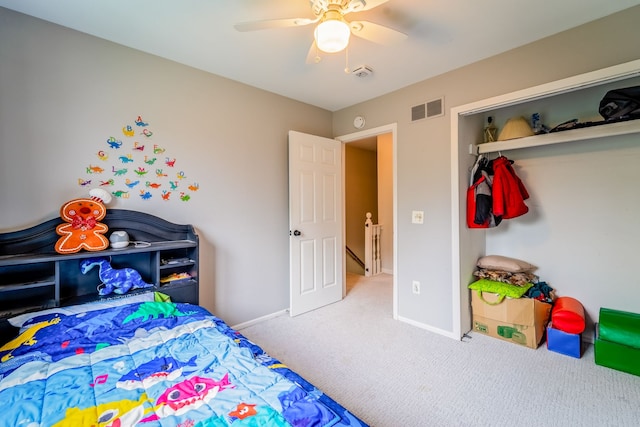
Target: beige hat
(516, 127)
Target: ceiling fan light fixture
(332, 34)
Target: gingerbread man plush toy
(82, 229)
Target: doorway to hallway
(369, 186)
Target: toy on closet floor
(82, 229)
(114, 280)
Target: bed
(135, 362)
(150, 357)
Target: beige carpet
(391, 374)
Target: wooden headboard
(139, 225)
(34, 276)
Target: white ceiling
(443, 35)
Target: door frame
(368, 133)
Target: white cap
(100, 195)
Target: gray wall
(62, 93)
(423, 173)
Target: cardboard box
(564, 342)
(521, 321)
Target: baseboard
(387, 271)
(439, 331)
(246, 324)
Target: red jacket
(508, 191)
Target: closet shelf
(593, 132)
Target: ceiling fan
(333, 30)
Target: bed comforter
(151, 364)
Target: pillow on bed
(20, 320)
(498, 262)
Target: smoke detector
(362, 71)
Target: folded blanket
(518, 279)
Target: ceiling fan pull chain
(346, 56)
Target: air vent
(418, 112)
(362, 71)
(428, 110)
(434, 108)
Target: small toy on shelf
(82, 229)
(114, 280)
(490, 133)
(172, 261)
(537, 126)
(174, 278)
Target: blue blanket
(151, 364)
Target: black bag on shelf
(621, 103)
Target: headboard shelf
(22, 286)
(92, 298)
(32, 274)
(37, 257)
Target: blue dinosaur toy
(114, 280)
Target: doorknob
(295, 233)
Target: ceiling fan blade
(370, 4)
(273, 23)
(361, 5)
(313, 55)
(376, 33)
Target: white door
(316, 247)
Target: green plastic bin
(617, 343)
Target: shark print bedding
(151, 364)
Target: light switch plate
(417, 217)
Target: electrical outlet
(417, 217)
(415, 286)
